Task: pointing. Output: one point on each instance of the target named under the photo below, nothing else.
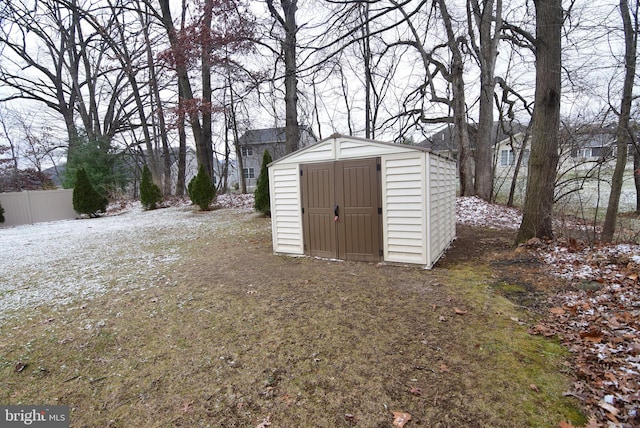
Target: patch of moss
(522, 372)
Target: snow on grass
(59, 262)
(64, 261)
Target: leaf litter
(597, 315)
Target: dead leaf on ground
(186, 407)
(265, 422)
(415, 391)
(400, 419)
(19, 367)
(565, 424)
(443, 368)
(534, 387)
(593, 422)
(557, 311)
(459, 311)
(594, 335)
(609, 408)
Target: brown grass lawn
(235, 336)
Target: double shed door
(341, 207)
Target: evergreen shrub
(150, 193)
(201, 189)
(86, 200)
(262, 198)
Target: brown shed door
(352, 188)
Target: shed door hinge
(380, 210)
(378, 167)
(381, 253)
(302, 210)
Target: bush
(150, 193)
(103, 163)
(201, 189)
(85, 199)
(1, 214)
(262, 199)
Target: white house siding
(404, 208)
(442, 209)
(286, 217)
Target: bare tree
(287, 22)
(67, 69)
(623, 131)
(486, 16)
(538, 204)
(179, 56)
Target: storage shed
(357, 199)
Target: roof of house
(270, 135)
(443, 140)
(263, 136)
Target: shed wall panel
(286, 220)
(442, 176)
(403, 204)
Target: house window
(247, 151)
(506, 158)
(584, 153)
(248, 173)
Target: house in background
(254, 142)
(444, 143)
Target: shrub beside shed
(357, 199)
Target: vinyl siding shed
(358, 199)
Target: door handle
(335, 211)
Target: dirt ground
(239, 337)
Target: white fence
(36, 206)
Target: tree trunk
(622, 133)
(459, 105)
(206, 85)
(234, 127)
(288, 24)
(290, 78)
(368, 80)
(543, 163)
(203, 152)
(487, 52)
(181, 184)
(516, 169)
(636, 176)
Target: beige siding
(315, 153)
(342, 148)
(37, 206)
(418, 197)
(286, 219)
(442, 214)
(404, 207)
(351, 149)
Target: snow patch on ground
(473, 211)
(59, 262)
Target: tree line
(144, 79)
